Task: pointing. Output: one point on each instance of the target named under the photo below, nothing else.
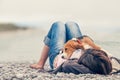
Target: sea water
(26, 45)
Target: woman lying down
(92, 61)
(77, 58)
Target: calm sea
(27, 45)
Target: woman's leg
(72, 30)
(54, 42)
(43, 58)
(57, 39)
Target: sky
(105, 13)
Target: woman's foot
(36, 66)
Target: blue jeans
(58, 35)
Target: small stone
(33, 76)
(19, 76)
(1, 65)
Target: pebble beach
(22, 71)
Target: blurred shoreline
(11, 27)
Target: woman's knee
(72, 25)
(72, 30)
(58, 24)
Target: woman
(93, 61)
(57, 36)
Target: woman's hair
(97, 61)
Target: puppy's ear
(79, 45)
(79, 41)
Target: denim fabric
(72, 30)
(58, 35)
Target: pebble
(19, 76)
(1, 65)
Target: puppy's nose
(62, 57)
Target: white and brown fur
(73, 45)
(84, 43)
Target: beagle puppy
(78, 43)
(74, 48)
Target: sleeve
(71, 66)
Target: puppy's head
(70, 47)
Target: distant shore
(10, 27)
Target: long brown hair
(97, 61)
